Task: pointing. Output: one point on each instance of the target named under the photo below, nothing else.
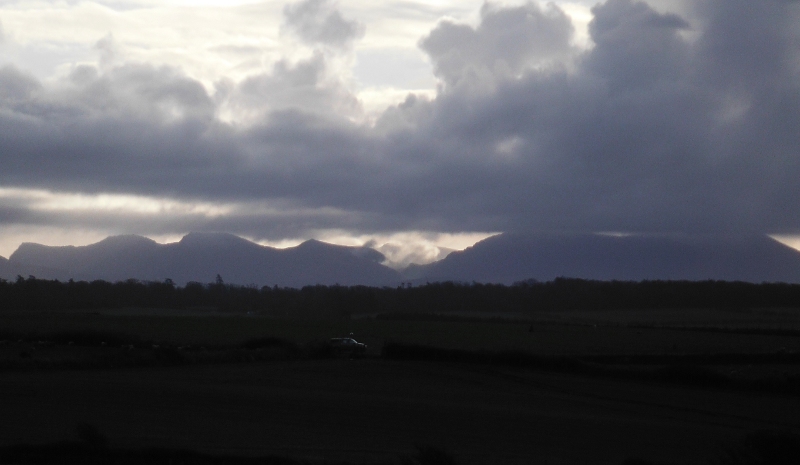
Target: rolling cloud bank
(670, 121)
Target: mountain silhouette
(10, 270)
(201, 257)
(507, 258)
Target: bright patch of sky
(791, 240)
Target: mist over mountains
(505, 258)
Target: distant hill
(201, 257)
(507, 258)
(10, 270)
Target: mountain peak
(314, 243)
(507, 258)
(362, 252)
(202, 256)
(125, 240)
(211, 239)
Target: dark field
(737, 373)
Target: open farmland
(549, 333)
(217, 397)
(368, 410)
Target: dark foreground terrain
(376, 411)
(563, 388)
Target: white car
(347, 345)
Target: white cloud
(319, 22)
(47, 201)
(306, 85)
(404, 248)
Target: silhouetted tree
(338, 301)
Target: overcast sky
(412, 126)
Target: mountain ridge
(504, 258)
(511, 257)
(201, 257)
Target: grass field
(375, 410)
(556, 333)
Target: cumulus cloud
(319, 22)
(303, 86)
(638, 137)
(108, 50)
(665, 124)
(635, 45)
(17, 87)
(506, 42)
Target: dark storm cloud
(318, 22)
(130, 129)
(644, 135)
(666, 124)
(636, 46)
(12, 214)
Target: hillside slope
(507, 258)
(202, 256)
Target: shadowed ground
(377, 410)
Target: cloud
(506, 42)
(319, 22)
(127, 129)
(13, 214)
(303, 86)
(108, 50)
(635, 45)
(17, 87)
(639, 136)
(660, 126)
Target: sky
(415, 127)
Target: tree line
(528, 296)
